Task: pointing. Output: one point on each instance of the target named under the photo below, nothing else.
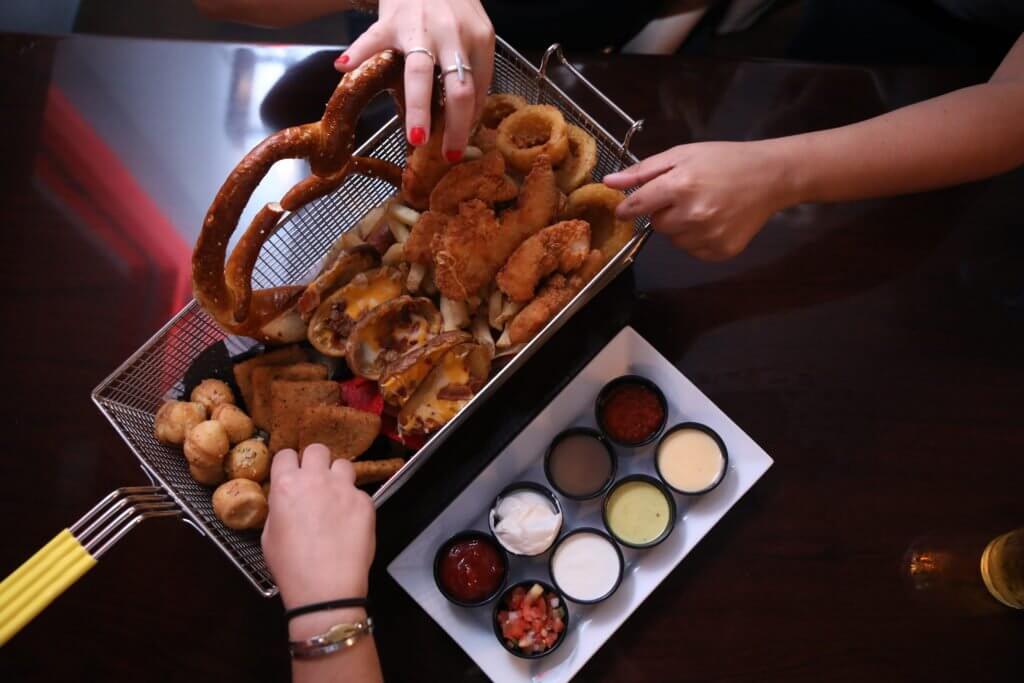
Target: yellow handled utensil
(74, 551)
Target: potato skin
(206, 444)
(212, 393)
(175, 419)
(237, 424)
(248, 460)
(240, 504)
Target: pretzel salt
(225, 290)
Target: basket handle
(74, 551)
(634, 125)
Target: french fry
(403, 214)
(510, 350)
(370, 221)
(454, 313)
(372, 471)
(509, 309)
(471, 153)
(481, 330)
(351, 239)
(399, 231)
(429, 286)
(417, 272)
(394, 255)
(494, 306)
(504, 341)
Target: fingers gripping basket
(130, 397)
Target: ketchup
(472, 570)
(632, 413)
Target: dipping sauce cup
(580, 463)
(517, 614)
(631, 410)
(691, 458)
(470, 568)
(587, 566)
(526, 518)
(639, 512)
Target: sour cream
(525, 521)
(586, 566)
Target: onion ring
(531, 131)
(497, 107)
(595, 203)
(579, 163)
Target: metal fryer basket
(130, 396)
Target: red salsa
(471, 570)
(532, 621)
(632, 413)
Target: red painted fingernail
(453, 155)
(417, 135)
(343, 60)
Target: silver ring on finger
(460, 68)
(421, 50)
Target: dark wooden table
(874, 350)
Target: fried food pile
(466, 264)
(290, 398)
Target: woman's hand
(710, 198)
(444, 27)
(319, 536)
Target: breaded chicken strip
(562, 247)
(552, 298)
(466, 253)
(417, 248)
(424, 168)
(472, 247)
(482, 179)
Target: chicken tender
(473, 245)
(552, 298)
(562, 247)
(418, 249)
(424, 167)
(483, 179)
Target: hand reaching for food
(319, 536)
(710, 198)
(445, 32)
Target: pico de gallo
(534, 620)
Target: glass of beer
(1002, 568)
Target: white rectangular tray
(522, 459)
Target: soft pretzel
(225, 290)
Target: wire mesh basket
(131, 395)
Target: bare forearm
(965, 135)
(274, 13)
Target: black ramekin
(618, 551)
(532, 486)
(671, 510)
(702, 428)
(581, 431)
(548, 588)
(606, 390)
(466, 536)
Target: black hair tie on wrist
(290, 614)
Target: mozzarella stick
(372, 471)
